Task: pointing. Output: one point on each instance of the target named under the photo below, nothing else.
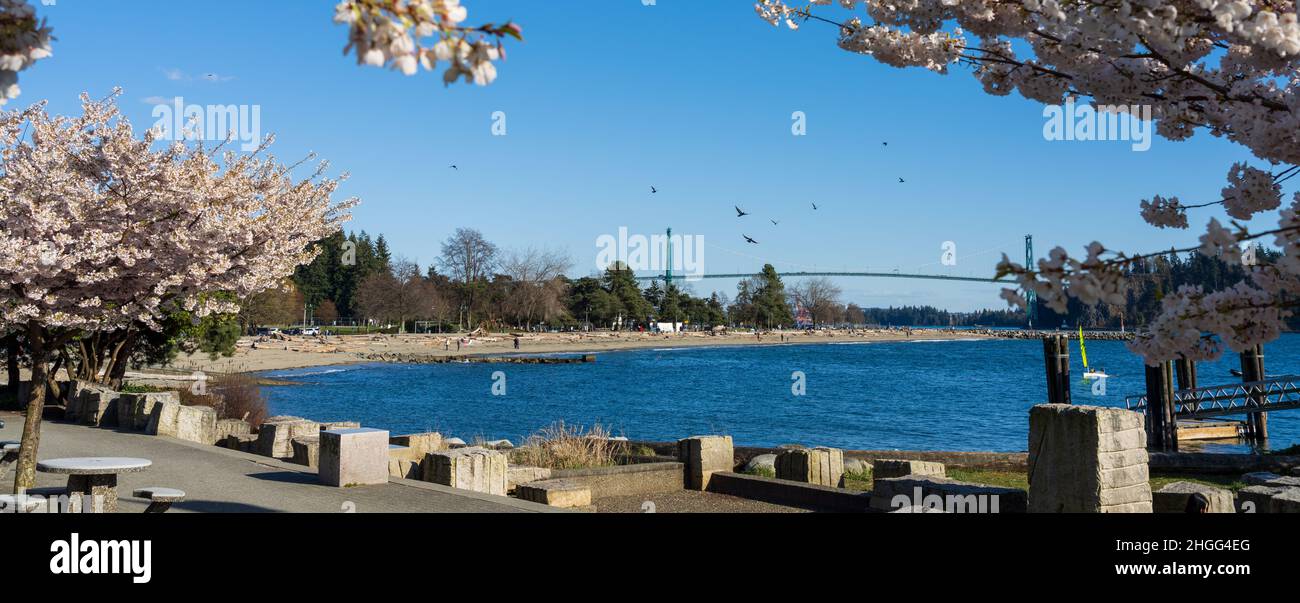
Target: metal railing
(1281, 393)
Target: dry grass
(560, 446)
(233, 396)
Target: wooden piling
(1056, 360)
(1186, 370)
(1252, 369)
(1162, 423)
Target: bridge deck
(1282, 393)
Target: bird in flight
(653, 190)
(740, 212)
(749, 240)
(884, 144)
(900, 181)
(774, 222)
(453, 166)
(814, 206)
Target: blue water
(913, 395)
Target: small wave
(306, 373)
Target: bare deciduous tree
(820, 297)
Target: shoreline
(260, 354)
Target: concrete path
(225, 481)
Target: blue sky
(609, 97)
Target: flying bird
(774, 222)
(884, 144)
(900, 181)
(653, 190)
(749, 240)
(740, 212)
(453, 166)
(814, 206)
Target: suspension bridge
(667, 277)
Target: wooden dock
(1217, 429)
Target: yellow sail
(1082, 350)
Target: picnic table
(94, 476)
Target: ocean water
(912, 395)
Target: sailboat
(1087, 372)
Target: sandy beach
(254, 354)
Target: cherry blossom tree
(102, 231)
(23, 41)
(1230, 68)
(391, 33)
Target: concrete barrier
(562, 493)
(475, 469)
(1087, 459)
(1173, 498)
(932, 493)
(353, 457)
(821, 466)
(627, 480)
(703, 456)
(789, 493)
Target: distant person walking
(516, 343)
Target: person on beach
(516, 343)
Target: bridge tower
(668, 268)
(1031, 298)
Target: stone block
(821, 466)
(476, 469)
(939, 494)
(702, 456)
(326, 426)
(196, 424)
(516, 475)
(98, 406)
(163, 419)
(1257, 499)
(420, 443)
(404, 469)
(275, 436)
(306, 451)
(229, 427)
(891, 468)
(1265, 478)
(245, 442)
(561, 493)
(140, 408)
(396, 452)
(1173, 498)
(353, 457)
(1087, 459)
(1287, 501)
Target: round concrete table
(94, 476)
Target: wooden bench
(8, 456)
(160, 499)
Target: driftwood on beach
(431, 359)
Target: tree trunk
(12, 348)
(25, 476)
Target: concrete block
(139, 408)
(1257, 499)
(245, 442)
(420, 443)
(405, 469)
(1287, 501)
(1087, 459)
(939, 494)
(556, 493)
(229, 427)
(1264, 478)
(275, 436)
(353, 457)
(163, 419)
(98, 406)
(516, 475)
(821, 466)
(1173, 498)
(705, 455)
(396, 452)
(476, 469)
(306, 451)
(196, 424)
(338, 425)
(891, 468)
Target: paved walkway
(225, 481)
